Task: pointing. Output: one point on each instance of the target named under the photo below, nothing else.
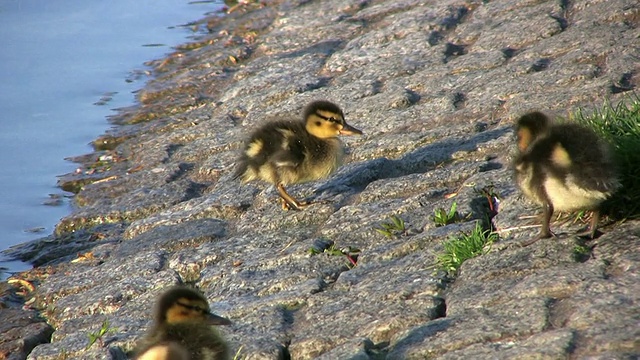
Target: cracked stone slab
(435, 86)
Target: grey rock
(434, 85)
(21, 332)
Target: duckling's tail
(240, 170)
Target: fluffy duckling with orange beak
(183, 329)
(564, 167)
(289, 152)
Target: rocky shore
(435, 86)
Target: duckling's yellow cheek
(254, 148)
(524, 139)
(176, 314)
(329, 130)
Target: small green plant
(97, 336)
(350, 252)
(620, 126)
(331, 250)
(581, 252)
(237, 355)
(394, 227)
(464, 247)
(443, 217)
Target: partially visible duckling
(563, 167)
(170, 351)
(288, 152)
(183, 329)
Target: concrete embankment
(435, 86)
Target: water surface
(59, 61)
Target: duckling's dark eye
(331, 119)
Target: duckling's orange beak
(214, 319)
(349, 130)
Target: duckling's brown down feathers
(277, 151)
(563, 167)
(288, 152)
(183, 325)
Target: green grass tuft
(620, 126)
(443, 217)
(464, 247)
(351, 253)
(395, 227)
(238, 355)
(581, 253)
(98, 335)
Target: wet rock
(21, 332)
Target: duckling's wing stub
(290, 156)
(587, 158)
(275, 144)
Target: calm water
(58, 60)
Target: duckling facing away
(563, 167)
(183, 329)
(288, 152)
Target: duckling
(182, 329)
(288, 152)
(563, 167)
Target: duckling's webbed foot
(545, 231)
(589, 234)
(288, 201)
(298, 205)
(542, 235)
(592, 232)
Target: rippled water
(63, 66)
